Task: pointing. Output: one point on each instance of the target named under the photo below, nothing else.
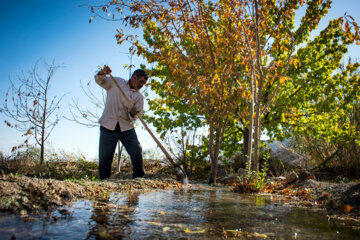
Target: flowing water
(200, 212)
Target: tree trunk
(213, 171)
(257, 143)
(42, 153)
(251, 121)
(259, 96)
(214, 152)
(246, 145)
(42, 145)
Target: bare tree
(29, 105)
(84, 116)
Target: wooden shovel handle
(145, 125)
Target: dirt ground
(29, 195)
(340, 200)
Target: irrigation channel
(199, 212)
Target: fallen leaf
(187, 230)
(154, 223)
(261, 235)
(346, 208)
(234, 232)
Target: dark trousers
(107, 146)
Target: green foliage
(197, 157)
(254, 181)
(233, 142)
(237, 160)
(340, 157)
(72, 170)
(321, 94)
(341, 179)
(317, 98)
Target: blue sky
(60, 30)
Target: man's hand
(105, 71)
(133, 111)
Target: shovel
(179, 172)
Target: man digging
(116, 122)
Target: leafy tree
(274, 52)
(179, 34)
(238, 57)
(319, 99)
(327, 127)
(32, 109)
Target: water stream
(200, 212)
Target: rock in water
(291, 178)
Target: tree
(274, 50)
(185, 41)
(321, 94)
(32, 109)
(267, 27)
(87, 117)
(193, 48)
(218, 56)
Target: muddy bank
(30, 195)
(340, 200)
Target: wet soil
(29, 195)
(340, 200)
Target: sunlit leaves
(205, 55)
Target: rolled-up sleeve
(104, 81)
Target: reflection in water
(110, 218)
(200, 212)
